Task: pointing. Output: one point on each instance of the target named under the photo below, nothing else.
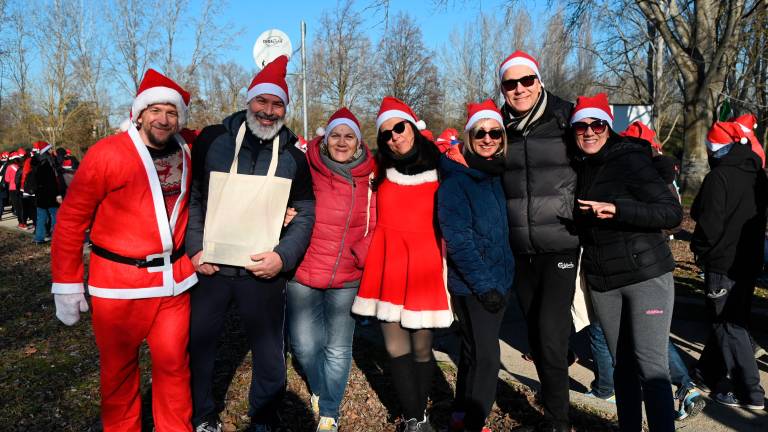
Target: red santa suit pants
(120, 326)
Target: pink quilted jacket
(345, 215)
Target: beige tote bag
(245, 212)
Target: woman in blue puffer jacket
(473, 219)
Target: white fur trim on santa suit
(67, 288)
(267, 88)
(592, 113)
(386, 115)
(134, 293)
(519, 61)
(389, 312)
(344, 121)
(482, 115)
(156, 95)
(411, 180)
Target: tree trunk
(696, 122)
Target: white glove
(69, 306)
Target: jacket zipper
(528, 190)
(343, 235)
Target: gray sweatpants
(636, 319)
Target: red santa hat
(13, 155)
(68, 152)
(67, 164)
(4, 156)
(447, 138)
(723, 133)
(342, 116)
(520, 58)
(156, 88)
(748, 123)
(426, 133)
(392, 107)
(482, 111)
(271, 80)
(640, 130)
(40, 147)
(592, 107)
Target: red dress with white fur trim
(403, 280)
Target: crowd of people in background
(536, 201)
(33, 183)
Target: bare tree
(702, 36)
(221, 92)
(134, 38)
(57, 99)
(341, 57)
(406, 68)
(18, 60)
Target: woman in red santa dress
(403, 283)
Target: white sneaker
(327, 424)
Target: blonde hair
(470, 135)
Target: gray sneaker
(209, 427)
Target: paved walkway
(689, 330)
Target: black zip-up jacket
(214, 150)
(539, 183)
(629, 247)
(730, 215)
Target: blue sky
(254, 17)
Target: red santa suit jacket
(116, 191)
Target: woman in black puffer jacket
(623, 206)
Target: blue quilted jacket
(473, 218)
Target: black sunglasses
(597, 126)
(511, 84)
(493, 133)
(398, 128)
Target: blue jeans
(602, 386)
(321, 328)
(42, 221)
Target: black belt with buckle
(138, 262)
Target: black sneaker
(730, 399)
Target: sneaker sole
(696, 406)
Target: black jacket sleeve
(295, 237)
(709, 212)
(198, 193)
(653, 206)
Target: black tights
(412, 366)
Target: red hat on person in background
(40, 147)
(4, 156)
(20, 152)
(520, 58)
(448, 138)
(426, 133)
(748, 123)
(723, 133)
(640, 130)
(342, 116)
(271, 80)
(67, 164)
(482, 111)
(68, 152)
(156, 88)
(392, 107)
(592, 107)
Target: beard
(263, 132)
(155, 140)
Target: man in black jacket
(730, 215)
(259, 289)
(539, 184)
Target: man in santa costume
(132, 191)
(258, 290)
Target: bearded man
(257, 290)
(131, 191)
